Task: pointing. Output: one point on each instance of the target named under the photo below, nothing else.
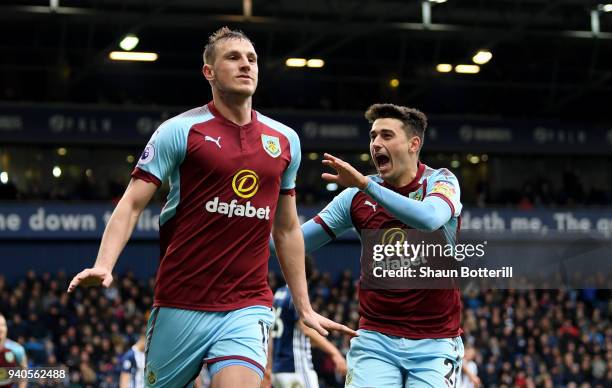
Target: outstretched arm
(314, 235)
(117, 233)
(289, 245)
(429, 214)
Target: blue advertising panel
(55, 237)
(64, 124)
(67, 222)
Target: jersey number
(278, 328)
(450, 377)
(265, 335)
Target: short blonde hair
(222, 33)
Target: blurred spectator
(533, 338)
(469, 376)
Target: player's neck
(236, 109)
(406, 178)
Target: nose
(245, 64)
(376, 144)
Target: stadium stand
(543, 338)
(529, 137)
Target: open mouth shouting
(383, 162)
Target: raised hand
(346, 175)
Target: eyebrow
(236, 52)
(381, 130)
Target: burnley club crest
(271, 144)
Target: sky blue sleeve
(288, 178)
(315, 235)
(444, 184)
(17, 349)
(165, 151)
(427, 215)
(336, 216)
(331, 222)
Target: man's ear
(415, 144)
(208, 72)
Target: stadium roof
(550, 58)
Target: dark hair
(415, 121)
(222, 33)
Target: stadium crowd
(534, 338)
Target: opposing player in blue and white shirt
(133, 365)
(291, 346)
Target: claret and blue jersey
(225, 180)
(414, 313)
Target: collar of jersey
(410, 187)
(215, 112)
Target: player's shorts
(296, 380)
(180, 341)
(381, 361)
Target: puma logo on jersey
(216, 141)
(371, 204)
